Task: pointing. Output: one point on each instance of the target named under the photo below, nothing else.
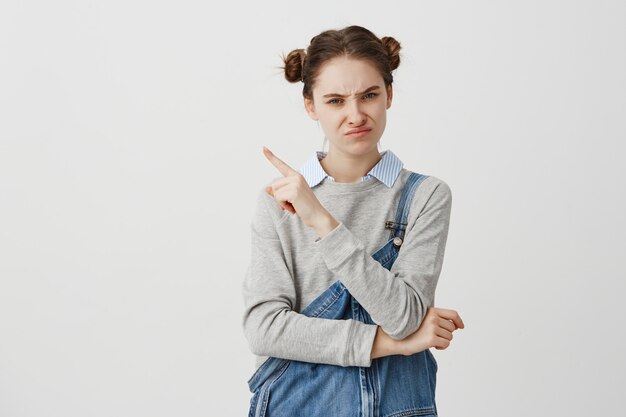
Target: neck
(349, 168)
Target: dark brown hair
(352, 42)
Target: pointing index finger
(278, 163)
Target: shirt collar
(386, 170)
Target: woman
(346, 253)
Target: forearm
(290, 335)
(396, 299)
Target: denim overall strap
(387, 253)
(398, 225)
(330, 305)
(392, 386)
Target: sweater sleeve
(396, 299)
(272, 327)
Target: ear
(310, 108)
(389, 95)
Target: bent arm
(396, 299)
(273, 328)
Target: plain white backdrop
(131, 137)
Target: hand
(294, 195)
(434, 331)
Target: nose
(356, 116)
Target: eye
(337, 100)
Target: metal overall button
(397, 241)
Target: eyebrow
(374, 87)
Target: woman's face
(349, 94)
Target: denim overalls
(393, 386)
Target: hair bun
(294, 65)
(393, 50)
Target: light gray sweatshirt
(290, 266)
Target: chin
(363, 148)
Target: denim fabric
(393, 386)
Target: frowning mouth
(359, 132)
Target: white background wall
(131, 137)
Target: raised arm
(396, 299)
(270, 325)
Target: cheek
(381, 113)
(332, 119)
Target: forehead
(346, 76)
